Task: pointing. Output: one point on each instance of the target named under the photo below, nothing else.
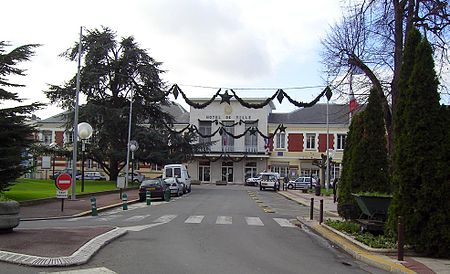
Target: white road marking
(194, 219)
(136, 218)
(283, 222)
(165, 219)
(140, 227)
(224, 220)
(254, 221)
(101, 270)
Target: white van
(179, 171)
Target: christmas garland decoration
(279, 94)
(222, 130)
(225, 156)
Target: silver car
(175, 186)
(303, 183)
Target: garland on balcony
(225, 156)
(222, 130)
(225, 97)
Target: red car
(157, 187)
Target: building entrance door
(227, 174)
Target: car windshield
(151, 183)
(268, 177)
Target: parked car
(157, 187)
(176, 187)
(270, 180)
(303, 183)
(92, 175)
(253, 181)
(179, 171)
(137, 177)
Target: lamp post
(84, 132)
(133, 147)
(53, 146)
(129, 138)
(328, 94)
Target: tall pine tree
(15, 134)
(420, 166)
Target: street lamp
(133, 147)
(84, 132)
(53, 147)
(328, 94)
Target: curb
(81, 256)
(81, 214)
(357, 251)
(287, 196)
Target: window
(282, 170)
(204, 127)
(227, 140)
(310, 140)
(340, 141)
(68, 139)
(250, 170)
(47, 137)
(251, 140)
(281, 140)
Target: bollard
(311, 209)
(124, 201)
(93, 206)
(167, 194)
(400, 238)
(148, 197)
(321, 212)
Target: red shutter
(295, 142)
(323, 142)
(59, 138)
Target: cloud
(211, 38)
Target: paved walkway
(371, 256)
(23, 246)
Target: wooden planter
(9, 215)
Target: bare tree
(369, 41)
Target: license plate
(264, 184)
(151, 188)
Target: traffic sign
(62, 194)
(64, 181)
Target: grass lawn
(29, 189)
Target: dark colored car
(157, 187)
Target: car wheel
(136, 181)
(290, 186)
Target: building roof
(180, 115)
(317, 114)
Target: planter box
(9, 215)
(375, 207)
(221, 183)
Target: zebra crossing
(194, 219)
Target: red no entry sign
(64, 181)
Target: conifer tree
(421, 156)
(15, 134)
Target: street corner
(55, 246)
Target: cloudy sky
(228, 44)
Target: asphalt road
(214, 229)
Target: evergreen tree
(421, 158)
(114, 69)
(350, 181)
(374, 148)
(15, 135)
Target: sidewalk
(361, 252)
(61, 246)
